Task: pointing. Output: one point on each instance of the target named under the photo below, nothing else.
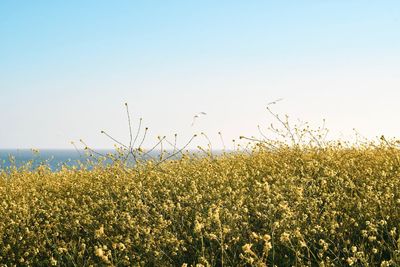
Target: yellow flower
(99, 232)
(285, 237)
(198, 226)
(247, 248)
(350, 261)
(99, 252)
(53, 261)
(266, 237)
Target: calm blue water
(54, 158)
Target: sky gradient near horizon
(67, 68)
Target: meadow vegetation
(277, 204)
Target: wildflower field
(287, 206)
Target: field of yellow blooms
(287, 206)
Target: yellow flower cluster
(285, 206)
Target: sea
(53, 158)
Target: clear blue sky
(67, 67)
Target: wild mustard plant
(299, 204)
